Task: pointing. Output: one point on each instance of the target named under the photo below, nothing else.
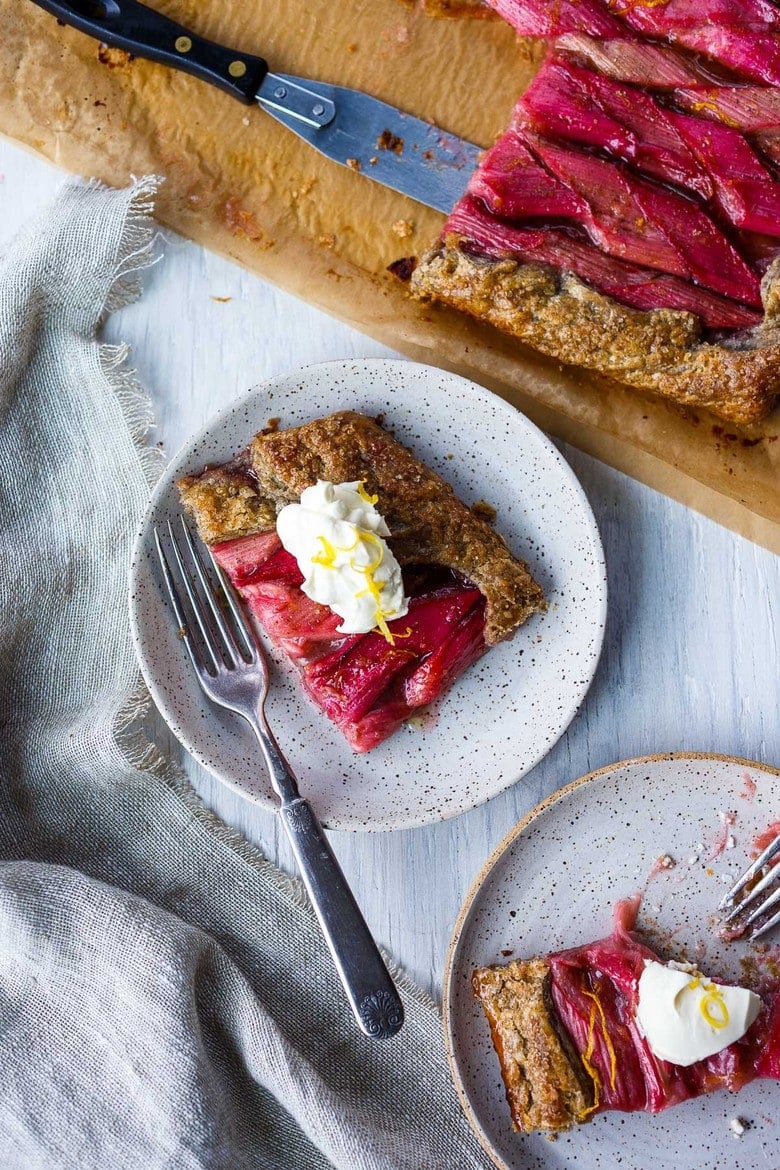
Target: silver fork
(747, 925)
(231, 668)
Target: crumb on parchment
(403, 228)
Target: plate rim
(471, 388)
(487, 867)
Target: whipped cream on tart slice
(362, 565)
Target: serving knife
(352, 128)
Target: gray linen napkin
(165, 997)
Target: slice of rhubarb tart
(362, 566)
(609, 1026)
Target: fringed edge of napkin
(135, 254)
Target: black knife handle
(126, 24)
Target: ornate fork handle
(371, 992)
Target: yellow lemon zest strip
(383, 628)
(373, 589)
(373, 541)
(589, 1067)
(361, 491)
(714, 999)
(607, 1038)
(328, 554)
(621, 10)
(697, 107)
(694, 983)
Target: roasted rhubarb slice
(630, 284)
(464, 589)
(572, 1036)
(744, 107)
(660, 19)
(552, 18)
(714, 162)
(755, 55)
(575, 104)
(615, 18)
(648, 224)
(742, 37)
(747, 194)
(653, 66)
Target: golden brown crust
(225, 503)
(660, 351)
(428, 523)
(546, 1086)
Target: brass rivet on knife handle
(145, 32)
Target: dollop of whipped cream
(686, 1017)
(337, 537)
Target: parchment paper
(246, 187)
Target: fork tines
(762, 881)
(212, 626)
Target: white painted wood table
(690, 659)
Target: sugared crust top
(660, 350)
(225, 503)
(546, 1087)
(428, 524)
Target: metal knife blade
(376, 139)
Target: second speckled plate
(552, 884)
(506, 712)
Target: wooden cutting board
(241, 184)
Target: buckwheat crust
(428, 524)
(660, 351)
(546, 1085)
(225, 503)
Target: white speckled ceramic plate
(552, 884)
(508, 710)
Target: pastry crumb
(221, 300)
(113, 57)
(353, 164)
(328, 241)
(403, 228)
(484, 510)
(271, 426)
(389, 141)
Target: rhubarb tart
(628, 221)
(362, 567)
(610, 1027)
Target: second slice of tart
(609, 1027)
(464, 590)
